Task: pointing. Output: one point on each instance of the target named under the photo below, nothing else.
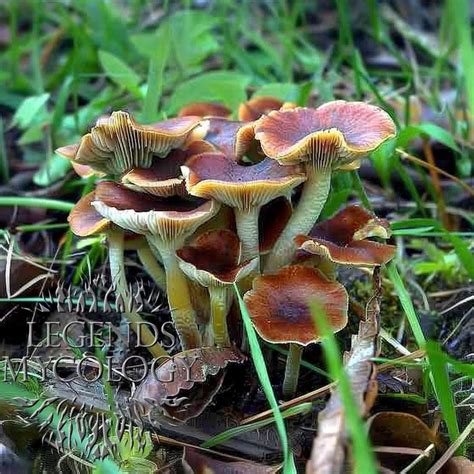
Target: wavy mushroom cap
(333, 135)
(213, 259)
(84, 220)
(164, 177)
(341, 239)
(118, 143)
(279, 304)
(231, 137)
(218, 176)
(254, 108)
(205, 109)
(168, 219)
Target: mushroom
(342, 239)
(213, 261)
(244, 188)
(166, 224)
(279, 307)
(232, 137)
(330, 137)
(257, 106)
(163, 178)
(118, 144)
(205, 109)
(84, 221)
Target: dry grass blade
(419, 162)
(451, 450)
(322, 391)
(328, 453)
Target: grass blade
(442, 388)
(53, 204)
(261, 369)
(406, 303)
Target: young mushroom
(166, 224)
(205, 109)
(163, 178)
(327, 138)
(279, 307)
(85, 221)
(260, 105)
(244, 188)
(342, 239)
(232, 137)
(213, 261)
(118, 143)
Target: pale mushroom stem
(179, 299)
(313, 198)
(246, 222)
(117, 271)
(220, 302)
(151, 266)
(292, 370)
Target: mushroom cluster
(211, 200)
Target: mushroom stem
(179, 299)
(313, 198)
(246, 222)
(219, 296)
(292, 370)
(151, 266)
(117, 271)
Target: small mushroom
(213, 261)
(279, 307)
(166, 224)
(342, 239)
(233, 138)
(118, 144)
(260, 105)
(244, 188)
(205, 109)
(163, 178)
(330, 137)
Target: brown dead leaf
(328, 452)
(458, 465)
(399, 438)
(185, 384)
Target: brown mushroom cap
(213, 259)
(231, 137)
(118, 144)
(279, 304)
(341, 238)
(205, 109)
(257, 106)
(218, 176)
(84, 220)
(330, 136)
(170, 219)
(164, 178)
